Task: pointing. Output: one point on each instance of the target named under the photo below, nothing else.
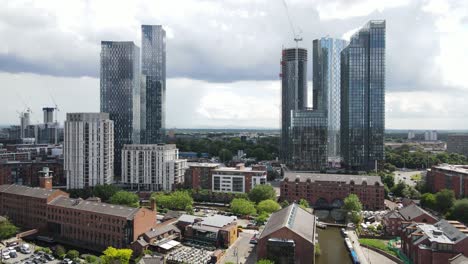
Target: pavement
(242, 251)
(376, 258)
(357, 247)
(405, 176)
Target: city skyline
(236, 87)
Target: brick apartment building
(393, 220)
(27, 172)
(452, 177)
(330, 190)
(83, 223)
(434, 243)
(198, 175)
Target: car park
(67, 261)
(13, 254)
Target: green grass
(377, 243)
(416, 177)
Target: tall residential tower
(363, 98)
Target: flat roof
(320, 177)
(455, 168)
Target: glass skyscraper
(326, 82)
(363, 98)
(153, 59)
(121, 93)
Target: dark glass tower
(121, 93)
(363, 98)
(153, 59)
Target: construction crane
(55, 107)
(297, 38)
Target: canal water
(332, 246)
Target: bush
(92, 259)
(73, 254)
(178, 200)
(43, 249)
(125, 198)
(268, 206)
(318, 251)
(60, 251)
(7, 229)
(242, 207)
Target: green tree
(318, 251)
(60, 251)
(352, 203)
(400, 189)
(125, 198)
(225, 155)
(444, 200)
(178, 200)
(262, 192)
(428, 200)
(241, 206)
(265, 261)
(304, 204)
(73, 254)
(116, 256)
(261, 218)
(7, 229)
(284, 203)
(91, 259)
(105, 192)
(459, 210)
(268, 206)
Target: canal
(332, 246)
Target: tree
(444, 200)
(268, 206)
(125, 198)
(262, 192)
(459, 210)
(7, 229)
(265, 261)
(241, 206)
(262, 218)
(60, 251)
(284, 203)
(73, 254)
(304, 204)
(105, 192)
(428, 200)
(116, 256)
(400, 189)
(178, 200)
(225, 155)
(91, 259)
(352, 203)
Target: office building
(458, 143)
(121, 94)
(363, 98)
(326, 82)
(426, 243)
(452, 177)
(153, 59)
(289, 236)
(28, 172)
(430, 135)
(199, 175)
(411, 135)
(330, 190)
(293, 94)
(25, 121)
(155, 167)
(88, 150)
(240, 179)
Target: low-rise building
(240, 179)
(393, 220)
(330, 190)
(198, 175)
(434, 243)
(289, 237)
(27, 172)
(452, 177)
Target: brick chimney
(45, 180)
(153, 204)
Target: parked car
(13, 254)
(49, 257)
(66, 261)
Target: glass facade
(363, 98)
(121, 94)
(153, 60)
(326, 83)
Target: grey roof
(412, 211)
(446, 232)
(171, 215)
(95, 207)
(459, 259)
(161, 229)
(315, 177)
(188, 218)
(451, 231)
(151, 260)
(294, 218)
(27, 191)
(218, 220)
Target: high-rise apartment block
(430, 135)
(326, 83)
(154, 167)
(153, 68)
(411, 135)
(88, 150)
(121, 94)
(363, 98)
(458, 143)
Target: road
(375, 257)
(242, 251)
(357, 247)
(405, 176)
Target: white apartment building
(430, 135)
(240, 179)
(152, 167)
(88, 150)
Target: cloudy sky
(223, 55)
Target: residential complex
(330, 190)
(240, 179)
(434, 243)
(393, 221)
(153, 69)
(458, 143)
(88, 150)
(28, 172)
(289, 236)
(199, 175)
(152, 167)
(430, 135)
(452, 177)
(363, 98)
(121, 93)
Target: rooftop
(216, 221)
(445, 232)
(412, 211)
(317, 177)
(205, 164)
(454, 168)
(95, 207)
(27, 191)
